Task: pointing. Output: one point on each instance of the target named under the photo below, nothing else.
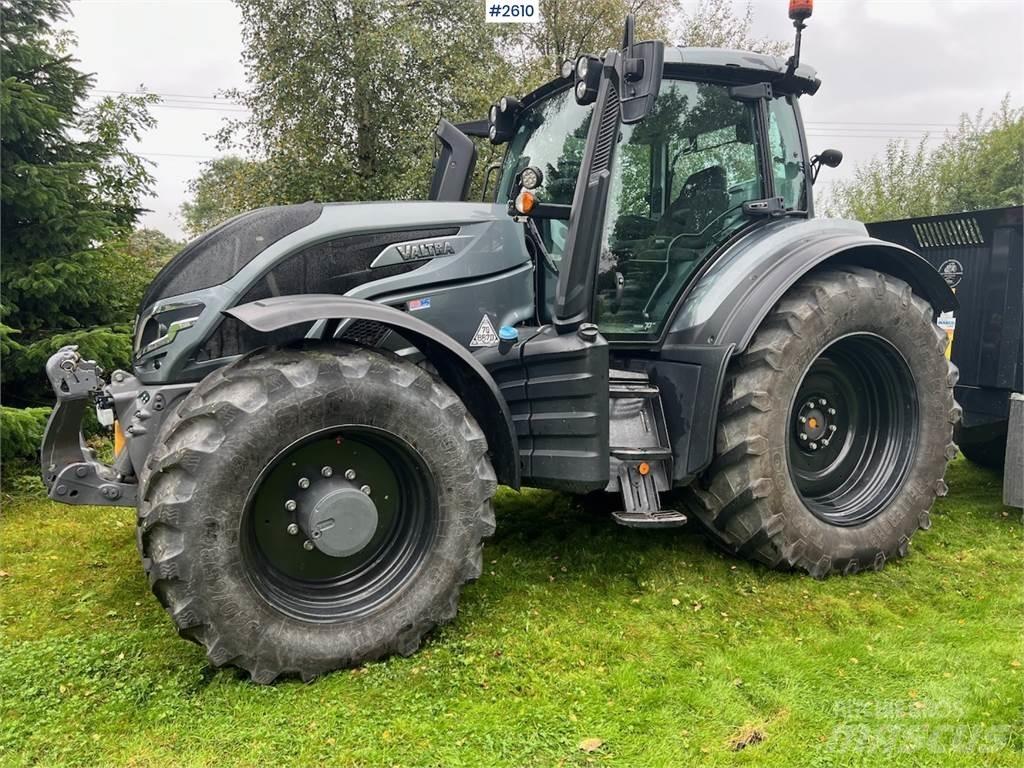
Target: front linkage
(70, 469)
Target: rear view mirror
(640, 78)
(830, 157)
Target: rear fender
(455, 365)
(730, 300)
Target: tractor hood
(382, 251)
(216, 257)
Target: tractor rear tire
(834, 430)
(322, 436)
(984, 446)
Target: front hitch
(70, 469)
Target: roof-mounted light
(588, 78)
(800, 9)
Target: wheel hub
(854, 429)
(339, 521)
(336, 522)
(817, 424)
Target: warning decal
(485, 335)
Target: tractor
(324, 397)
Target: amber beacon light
(800, 9)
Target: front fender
(456, 366)
(730, 300)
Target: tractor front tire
(306, 509)
(835, 428)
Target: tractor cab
(632, 171)
(712, 158)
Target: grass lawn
(583, 644)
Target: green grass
(652, 642)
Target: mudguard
(734, 295)
(720, 314)
(456, 366)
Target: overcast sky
(890, 68)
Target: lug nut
(832, 427)
(831, 411)
(803, 435)
(350, 474)
(810, 403)
(307, 545)
(326, 471)
(803, 419)
(293, 529)
(303, 483)
(824, 442)
(822, 402)
(365, 489)
(813, 446)
(290, 505)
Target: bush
(21, 432)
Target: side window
(551, 136)
(787, 154)
(679, 181)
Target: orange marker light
(119, 440)
(525, 201)
(800, 9)
(644, 468)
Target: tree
(980, 165)
(715, 24)
(569, 28)
(70, 192)
(226, 186)
(345, 95)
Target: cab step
(640, 497)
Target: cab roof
(719, 64)
(758, 66)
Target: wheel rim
(361, 489)
(853, 429)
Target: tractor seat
(704, 196)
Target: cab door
(679, 181)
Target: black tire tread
(731, 501)
(197, 428)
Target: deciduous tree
(980, 165)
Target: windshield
(678, 183)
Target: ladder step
(632, 390)
(652, 453)
(662, 518)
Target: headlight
(582, 64)
(493, 133)
(531, 177)
(581, 89)
(492, 115)
(162, 323)
(566, 69)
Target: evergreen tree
(69, 198)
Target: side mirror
(830, 157)
(640, 76)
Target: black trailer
(981, 256)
